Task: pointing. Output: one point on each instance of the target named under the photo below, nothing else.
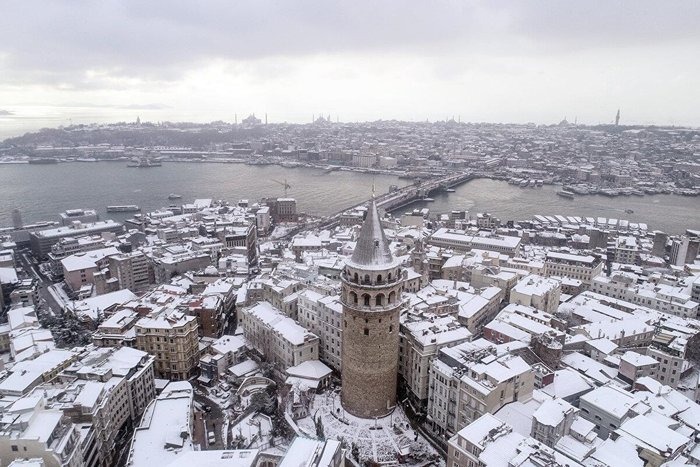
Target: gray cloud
(5, 113)
(57, 42)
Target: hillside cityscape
(247, 332)
(349, 234)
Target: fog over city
(509, 61)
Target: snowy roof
(637, 359)
(92, 307)
(228, 458)
(611, 399)
(310, 369)
(88, 259)
(552, 412)
(372, 250)
(165, 429)
(645, 432)
(567, 383)
(8, 276)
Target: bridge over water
(393, 200)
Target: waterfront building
(41, 241)
(84, 216)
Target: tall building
(16, 219)
(372, 284)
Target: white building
(277, 337)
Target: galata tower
(372, 285)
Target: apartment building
(133, 271)
(471, 379)
(322, 315)
(280, 339)
(489, 442)
(41, 241)
(668, 350)
(420, 339)
(171, 337)
(29, 430)
(538, 292)
(460, 240)
(626, 250)
(581, 267)
(669, 299)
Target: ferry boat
(43, 160)
(123, 208)
(144, 163)
(565, 194)
(174, 196)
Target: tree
(355, 452)
(318, 422)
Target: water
(670, 213)
(42, 191)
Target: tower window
(379, 300)
(365, 297)
(391, 328)
(366, 331)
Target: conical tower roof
(372, 249)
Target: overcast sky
(496, 61)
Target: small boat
(565, 194)
(629, 211)
(429, 200)
(123, 208)
(450, 190)
(174, 196)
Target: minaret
(617, 118)
(372, 284)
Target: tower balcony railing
(369, 283)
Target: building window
(366, 331)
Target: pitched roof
(372, 248)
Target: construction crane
(284, 184)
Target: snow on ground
(282, 230)
(379, 440)
(254, 431)
(58, 294)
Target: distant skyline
(509, 61)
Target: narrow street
(205, 422)
(31, 269)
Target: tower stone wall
(371, 296)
